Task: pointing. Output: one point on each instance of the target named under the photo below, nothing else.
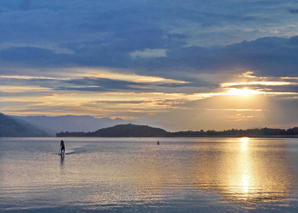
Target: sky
(187, 65)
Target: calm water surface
(136, 175)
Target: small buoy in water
(157, 142)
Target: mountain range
(14, 127)
(34, 126)
(71, 123)
(50, 125)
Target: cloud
(293, 11)
(149, 53)
(25, 4)
(143, 23)
(31, 56)
(101, 84)
(293, 41)
(266, 56)
(109, 85)
(270, 56)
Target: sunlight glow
(71, 92)
(248, 74)
(259, 83)
(239, 110)
(22, 89)
(244, 92)
(131, 77)
(28, 77)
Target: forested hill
(130, 130)
(10, 127)
(122, 130)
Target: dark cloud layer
(269, 56)
(293, 11)
(101, 84)
(140, 24)
(105, 33)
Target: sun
(243, 91)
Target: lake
(137, 175)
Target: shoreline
(182, 136)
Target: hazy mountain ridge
(12, 127)
(71, 123)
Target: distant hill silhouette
(10, 127)
(122, 130)
(130, 130)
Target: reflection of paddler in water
(62, 161)
(62, 148)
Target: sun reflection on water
(241, 173)
(244, 143)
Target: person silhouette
(62, 147)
